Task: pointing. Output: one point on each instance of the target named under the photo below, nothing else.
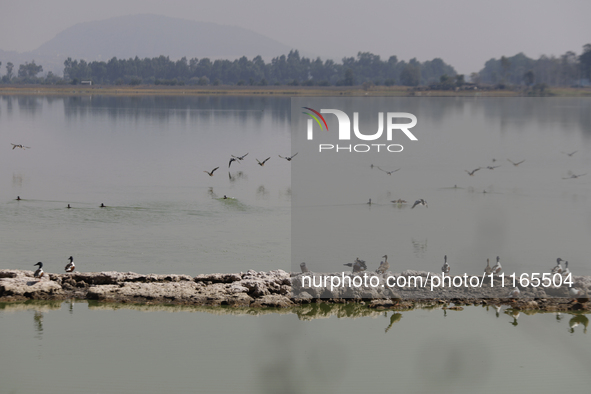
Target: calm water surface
(144, 158)
(83, 347)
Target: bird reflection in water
(514, 314)
(393, 319)
(576, 321)
(38, 318)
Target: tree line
(566, 70)
(291, 69)
(364, 69)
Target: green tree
(410, 75)
(9, 67)
(29, 70)
(529, 78)
(349, 78)
(584, 61)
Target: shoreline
(276, 91)
(259, 290)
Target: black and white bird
(388, 172)
(304, 268)
(419, 202)
(19, 146)
(471, 173)
(384, 265)
(445, 269)
(496, 269)
(212, 171)
(262, 163)
(39, 273)
(573, 176)
(557, 269)
(492, 167)
(289, 158)
(574, 292)
(70, 266)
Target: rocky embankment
(265, 289)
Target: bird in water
(496, 269)
(19, 146)
(388, 172)
(240, 157)
(212, 171)
(557, 269)
(39, 273)
(289, 158)
(358, 266)
(515, 164)
(262, 163)
(369, 202)
(399, 201)
(487, 269)
(419, 202)
(68, 206)
(70, 266)
(445, 269)
(102, 205)
(304, 268)
(471, 173)
(384, 265)
(514, 293)
(18, 198)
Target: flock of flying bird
(359, 266)
(238, 159)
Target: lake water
(82, 347)
(144, 157)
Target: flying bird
(19, 146)
(570, 154)
(263, 162)
(573, 176)
(240, 157)
(70, 266)
(231, 160)
(419, 202)
(471, 173)
(515, 164)
(388, 172)
(288, 158)
(492, 167)
(212, 171)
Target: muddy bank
(277, 289)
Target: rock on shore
(277, 288)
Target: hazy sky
(464, 33)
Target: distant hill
(146, 35)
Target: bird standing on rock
(70, 266)
(496, 269)
(358, 266)
(384, 265)
(304, 268)
(39, 273)
(446, 268)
